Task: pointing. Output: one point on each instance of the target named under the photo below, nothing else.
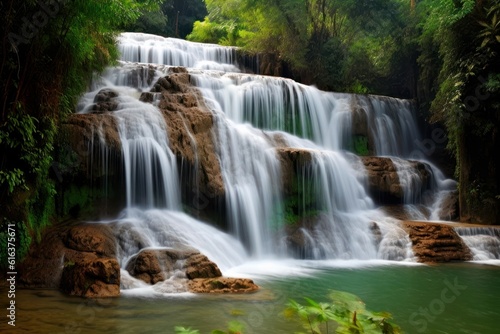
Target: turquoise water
(455, 298)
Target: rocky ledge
(434, 242)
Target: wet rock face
(292, 160)
(105, 101)
(436, 243)
(450, 207)
(383, 180)
(187, 269)
(79, 260)
(190, 129)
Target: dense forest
(444, 54)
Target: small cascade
(330, 187)
(139, 229)
(145, 48)
(251, 174)
(394, 244)
(150, 166)
(391, 124)
(409, 180)
(484, 242)
(271, 103)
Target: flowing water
(250, 112)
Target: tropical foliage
(345, 313)
(49, 52)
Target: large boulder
(79, 259)
(91, 276)
(92, 238)
(156, 265)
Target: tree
(467, 37)
(49, 53)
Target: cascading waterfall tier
(145, 48)
(253, 116)
(484, 242)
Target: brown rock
(199, 266)
(222, 285)
(77, 259)
(156, 265)
(190, 129)
(97, 238)
(91, 276)
(434, 242)
(383, 179)
(105, 101)
(292, 160)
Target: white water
(145, 48)
(249, 111)
(151, 175)
(484, 242)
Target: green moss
(301, 202)
(359, 145)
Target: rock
(383, 179)
(199, 266)
(450, 207)
(301, 237)
(292, 161)
(434, 242)
(190, 130)
(87, 137)
(377, 233)
(96, 238)
(222, 285)
(82, 129)
(78, 259)
(92, 277)
(105, 101)
(156, 265)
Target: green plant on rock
(345, 313)
(360, 144)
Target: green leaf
(184, 330)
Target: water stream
(247, 111)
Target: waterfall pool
(451, 298)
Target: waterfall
(145, 48)
(253, 116)
(151, 176)
(484, 242)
